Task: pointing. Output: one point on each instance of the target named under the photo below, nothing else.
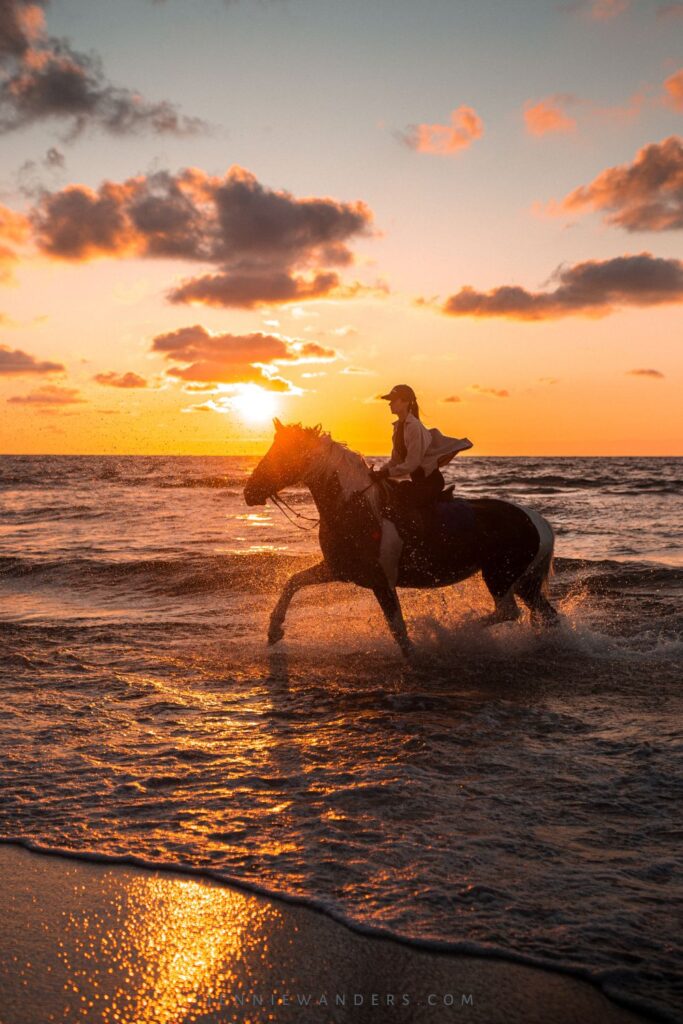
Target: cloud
(358, 371)
(494, 392)
(14, 361)
(445, 139)
(599, 10)
(547, 116)
(21, 23)
(50, 394)
(670, 11)
(646, 195)
(645, 373)
(673, 89)
(594, 288)
(249, 290)
(121, 380)
(198, 356)
(453, 398)
(46, 78)
(605, 10)
(14, 229)
(267, 246)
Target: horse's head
(285, 462)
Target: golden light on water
(174, 945)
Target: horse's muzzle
(254, 495)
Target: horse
(510, 545)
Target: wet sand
(113, 944)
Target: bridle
(281, 504)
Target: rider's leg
(390, 548)
(319, 573)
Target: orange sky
(172, 277)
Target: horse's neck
(335, 474)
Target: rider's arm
(413, 435)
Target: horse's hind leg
(318, 573)
(532, 589)
(501, 591)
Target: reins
(282, 505)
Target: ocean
(513, 792)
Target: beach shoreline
(108, 943)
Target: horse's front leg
(319, 573)
(390, 605)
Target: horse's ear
(318, 428)
(278, 426)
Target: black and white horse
(510, 545)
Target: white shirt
(425, 448)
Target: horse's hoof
(408, 652)
(275, 634)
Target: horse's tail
(532, 585)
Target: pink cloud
(200, 357)
(547, 116)
(645, 195)
(445, 139)
(673, 90)
(494, 392)
(120, 380)
(50, 394)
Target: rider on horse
(418, 453)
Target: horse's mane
(317, 433)
(349, 463)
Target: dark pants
(421, 491)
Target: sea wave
(615, 983)
(182, 576)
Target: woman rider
(414, 452)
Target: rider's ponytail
(414, 408)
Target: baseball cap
(403, 391)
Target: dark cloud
(46, 78)
(453, 398)
(54, 158)
(646, 195)
(645, 373)
(267, 246)
(234, 358)
(249, 290)
(592, 288)
(14, 361)
(120, 380)
(50, 394)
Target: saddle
(415, 525)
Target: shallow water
(513, 790)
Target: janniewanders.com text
(349, 1000)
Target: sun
(254, 404)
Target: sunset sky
(214, 212)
